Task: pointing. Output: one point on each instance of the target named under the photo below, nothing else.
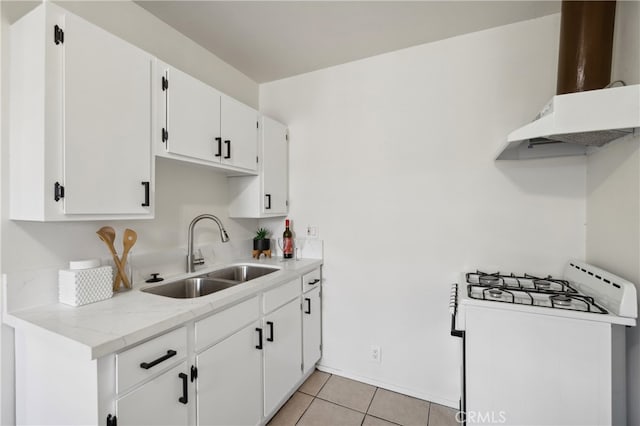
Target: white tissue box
(78, 287)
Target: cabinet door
(311, 328)
(193, 117)
(239, 134)
(282, 353)
(275, 167)
(229, 381)
(157, 402)
(107, 121)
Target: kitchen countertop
(132, 316)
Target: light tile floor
(330, 400)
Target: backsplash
(26, 289)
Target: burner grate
(529, 290)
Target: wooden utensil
(108, 235)
(128, 240)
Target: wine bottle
(287, 237)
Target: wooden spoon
(128, 240)
(108, 235)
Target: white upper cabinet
(267, 194)
(80, 114)
(201, 125)
(81, 120)
(107, 121)
(192, 117)
(239, 134)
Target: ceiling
(270, 40)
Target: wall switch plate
(312, 231)
(376, 355)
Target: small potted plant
(261, 240)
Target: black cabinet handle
(315, 281)
(148, 365)
(146, 194)
(185, 391)
(268, 206)
(259, 345)
(270, 325)
(308, 311)
(228, 143)
(219, 140)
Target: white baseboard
(388, 386)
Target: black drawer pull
(270, 325)
(259, 345)
(308, 311)
(148, 365)
(185, 391)
(315, 281)
(228, 143)
(268, 206)
(219, 140)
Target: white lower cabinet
(229, 380)
(311, 329)
(282, 353)
(234, 367)
(162, 401)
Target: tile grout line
(314, 398)
(429, 414)
(380, 418)
(369, 406)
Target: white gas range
(544, 350)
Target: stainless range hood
(577, 124)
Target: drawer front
(149, 358)
(225, 323)
(279, 296)
(311, 280)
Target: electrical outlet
(312, 231)
(376, 355)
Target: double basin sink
(211, 282)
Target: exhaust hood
(577, 124)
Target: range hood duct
(583, 116)
(586, 45)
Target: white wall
(182, 191)
(613, 195)
(393, 158)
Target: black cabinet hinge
(194, 373)
(112, 420)
(58, 35)
(165, 83)
(165, 135)
(58, 191)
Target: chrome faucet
(191, 260)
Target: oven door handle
(455, 332)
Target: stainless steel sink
(211, 282)
(189, 288)
(241, 273)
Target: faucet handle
(199, 258)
